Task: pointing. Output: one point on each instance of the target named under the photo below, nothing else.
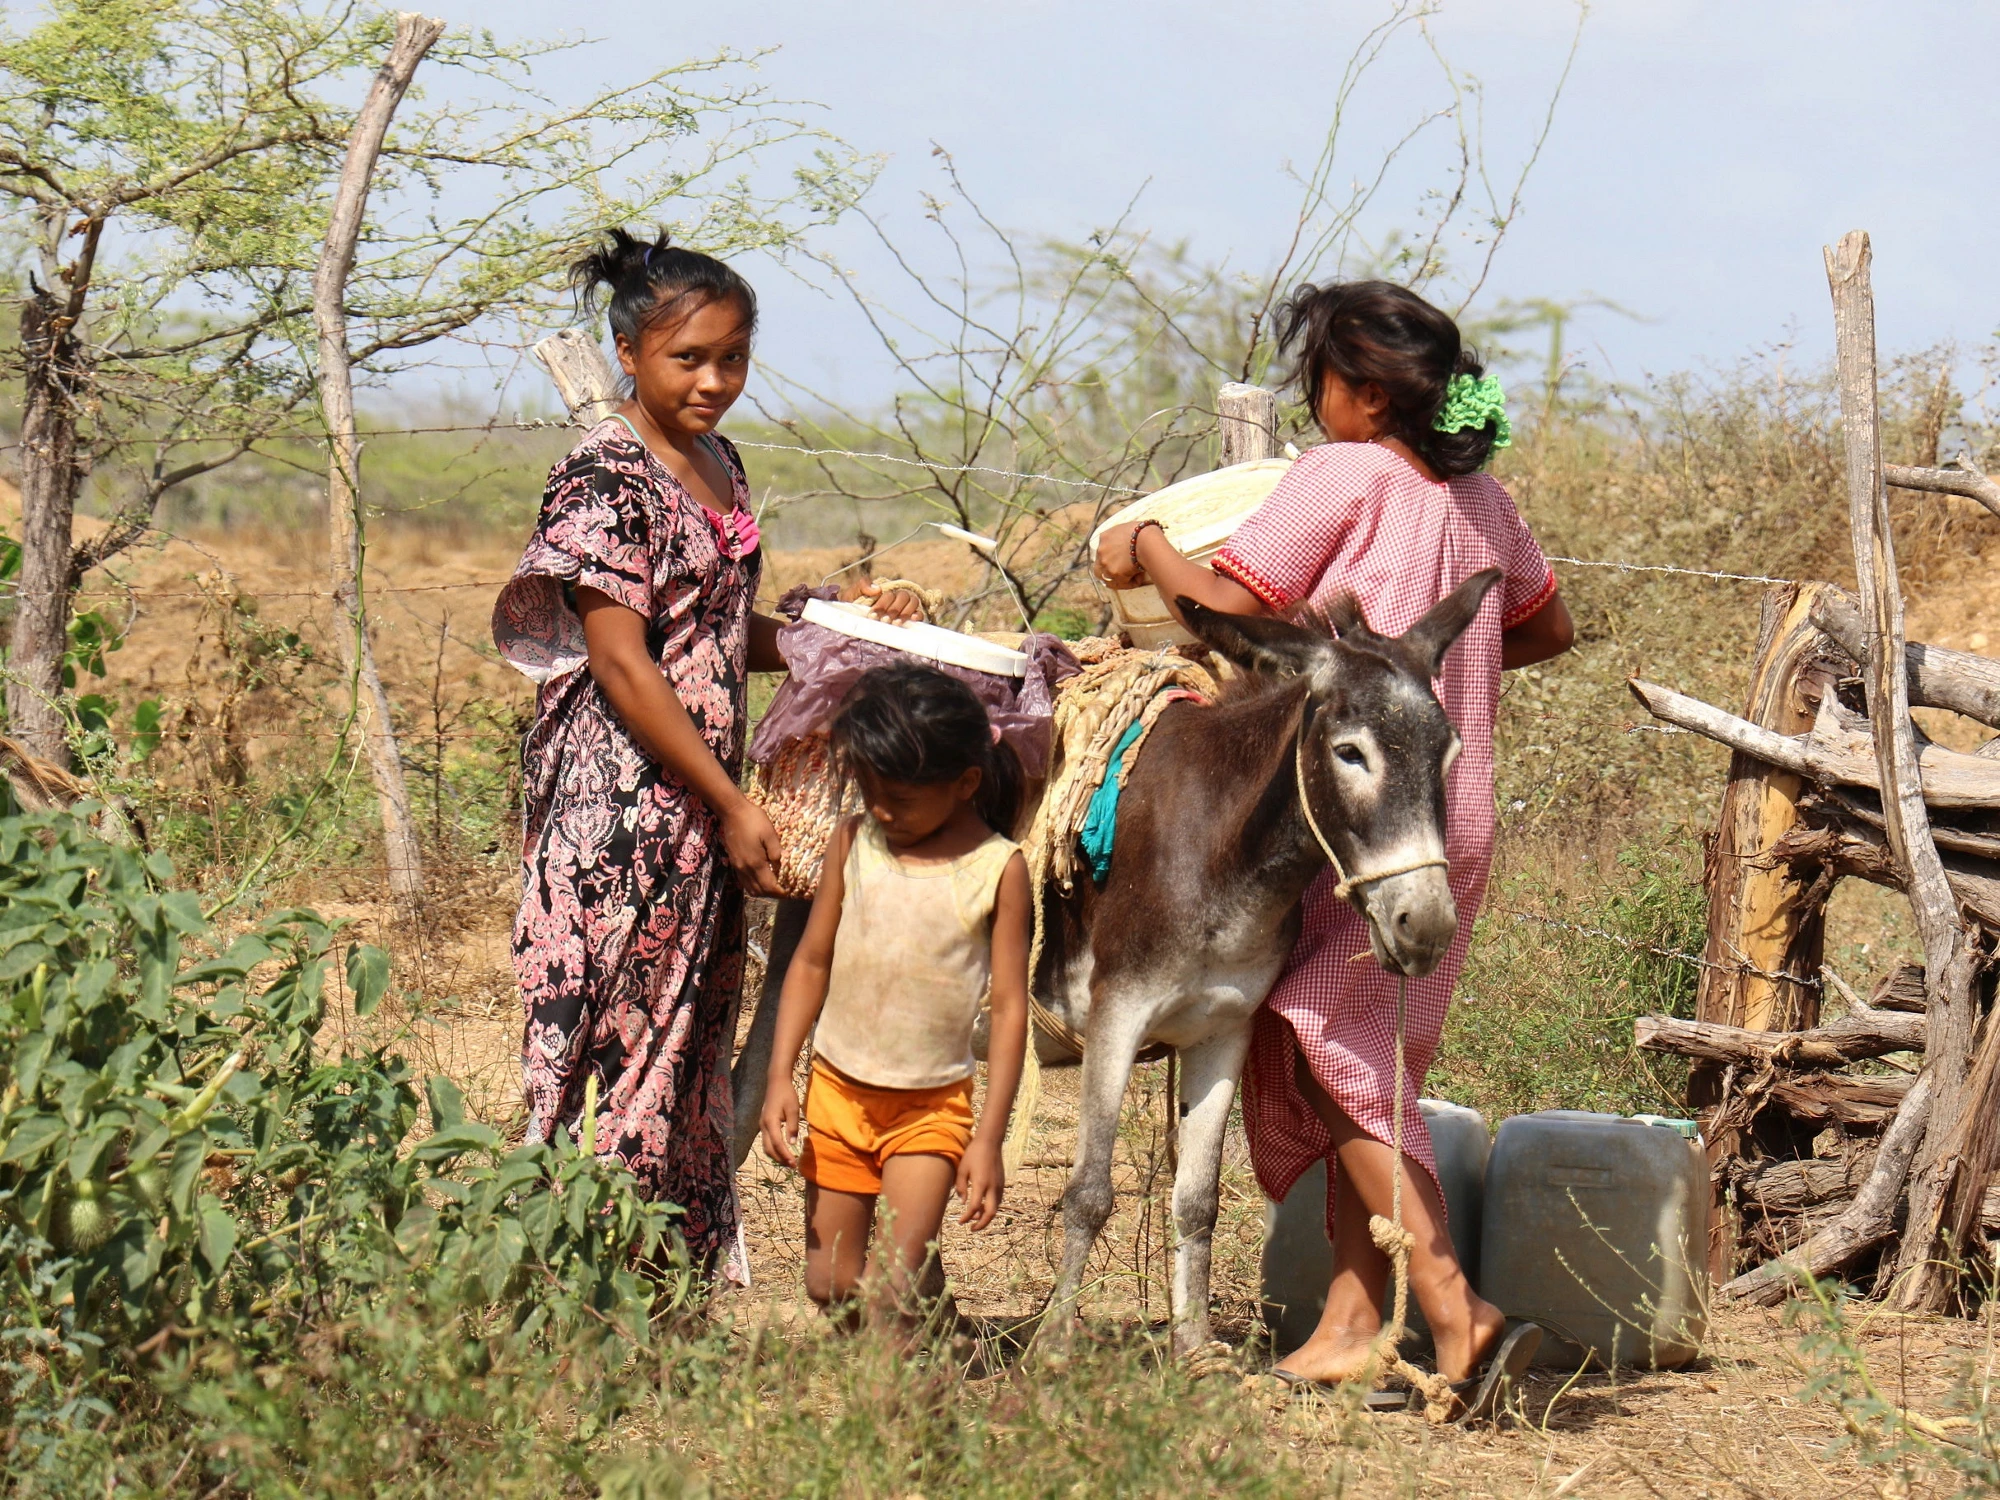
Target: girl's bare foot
(1463, 1348)
(1330, 1356)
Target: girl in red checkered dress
(1393, 510)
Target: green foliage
(180, 1170)
(1956, 1450)
(1543, 1018)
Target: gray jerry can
(1596, 1227)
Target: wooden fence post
(1756, 915)
(583, 376)
(1247, 416)
(1761, 915)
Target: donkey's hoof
(1211, 1358)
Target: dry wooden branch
(1850, 849)
(1812, 1192)
(404, 853)
(1792, 1187)
(1960, 681)
(1857, 1102)
(1849, 1039)
(1944, 835)
(1902, 988)
(1868, 1221)
(1967, 479)
(1948, 961)
(1844, 758)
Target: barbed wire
(132, 591)
(1631, 567)
(550, 424)
(1697, 960)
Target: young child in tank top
(921, 918)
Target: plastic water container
(1199, 515)
(1298, 1260)
(1596, 1227)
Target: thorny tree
(168, 166)
(1043, 386)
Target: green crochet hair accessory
(1474, 403)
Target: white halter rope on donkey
(1390, 1237)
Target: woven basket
(800, 789)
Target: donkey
(1213, 851)
(1216, 843)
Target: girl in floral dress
(1394, 512)
(631, 609)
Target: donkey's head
(1372, 749)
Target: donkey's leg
(1209, 1072)
(746, 1077)
(1117, 1027)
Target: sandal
(1484, 1393)
(1374, 1401)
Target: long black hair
(655, 282)
(1376, 330)
(916, 724)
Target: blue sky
(1702, 153)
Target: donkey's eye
(1350, 755)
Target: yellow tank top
(912, 961)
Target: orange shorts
(852, 1128)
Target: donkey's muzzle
(1411, 921)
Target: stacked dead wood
(1875, 1135)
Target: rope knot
(1391, 1239)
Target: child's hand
(780, 1121)
(981, 1180)
(750, 840)
(891, 604)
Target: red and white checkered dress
(1355, 518)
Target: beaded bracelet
(1135, 542)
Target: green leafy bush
(181, 1174)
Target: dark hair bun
(655, 282)
(1377, 331)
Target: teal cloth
(1100, 819)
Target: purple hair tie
(647, 263)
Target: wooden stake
(583, 376)
(1757, 918)
(414, 37)
(1248, 418)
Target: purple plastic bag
(825, 665)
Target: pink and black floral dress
(629, 942)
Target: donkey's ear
(1256, 643)
(1434, 634)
